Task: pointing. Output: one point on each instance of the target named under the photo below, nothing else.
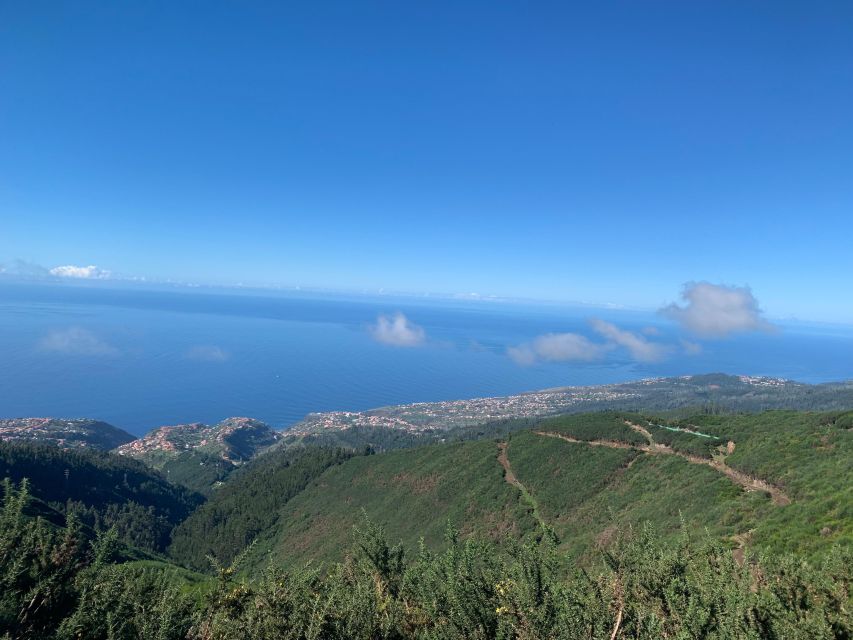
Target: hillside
(245, 507)
(540, 532)
(777, 480)
(197, 455)
(645, 587)
(64, 432)
(104, 490)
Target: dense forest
(103, 490)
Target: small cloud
(638, 346)
(397, 331)
(650, 331)
(24, 269)
(76, 341)
(691, 348)
(70, 271)
(207, 353)
(523, 355)
(717, 311)
(574, 347)
(557, 347)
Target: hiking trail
(512, 479)
(718, 463)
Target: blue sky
(602, 152)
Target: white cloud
(523, 355)
(72, 271)
(638, 346)
(557, 347)
(397, 331)
(716, 311)
(207, 353)
(574, 347)
(25, 269)
(76, 341)
(691, 348)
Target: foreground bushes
(55, 586)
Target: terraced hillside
(777, 480)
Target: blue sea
(145, 357)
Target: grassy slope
(807, 454)
(415, 492)
(586, 493)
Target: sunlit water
(144, 358)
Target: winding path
(718, 464)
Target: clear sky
(595, 151)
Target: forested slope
(104, 490)
(248, 504)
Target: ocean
(140, 358)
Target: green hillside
(199, 456)
(196, 470)
(248, 504)
(102, 489)
(536, 533)
(779, 481)
(55, 586)
(414, 492)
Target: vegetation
(199, 456)
(585, 493)
(751, 538)
(589, 494)
(377, 438)
(101, 490)
(195, 470)
(248, 505)
(595, 426)
(382, 439)
(54, 587)
(808, 454)
(415, 491)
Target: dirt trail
(642, 430)
(509, 476)
(738, 477)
